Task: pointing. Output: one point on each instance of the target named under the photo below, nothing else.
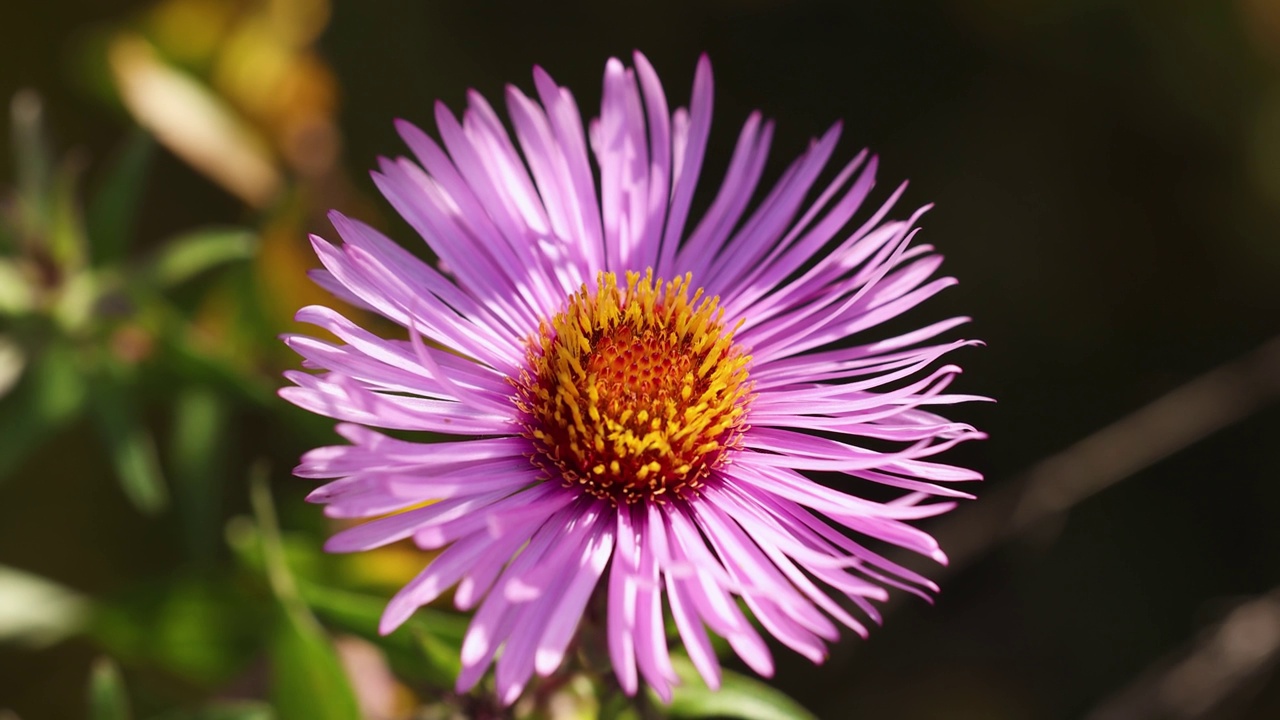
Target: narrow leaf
(429, 647)
(198, 452)
(33, 159)
(17, 296)
(307, 679)
(619, 707)
(183, 354)
(130, 445)
(49, 394)
(443, 660)
(107, 697)
(114, 207)
(190, 254)
(12, 361)
(68, 245)
(201, 626)
(738, 697)
(308, 682)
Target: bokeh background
(1107, 182)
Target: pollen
(635, 393)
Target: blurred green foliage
(82, 316)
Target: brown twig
(1049, 490)
(1195, 682)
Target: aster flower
(635, 403)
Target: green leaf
(37, 612)
(74, 305)
(738, 697)
(107, 697)
(618, 707)
(114, 208)
(13, 359)
(32, 158)
(48, 212)
(301, 552)
(190, 254)
(442, 659)
(308, 682)
(130, 444)
(17, 296)
(245, 710)
(427, 647)
(204, 628)
(307, 679)
(68, 244)
(183, 355)
(198, 452)
(49, 394)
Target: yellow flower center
(635, 394)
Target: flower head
(635, 409)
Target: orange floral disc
(635, 394)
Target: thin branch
(1195, 682)
(1044, 494)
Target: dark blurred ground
(1107, 181)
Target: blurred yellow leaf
(193, 122)
(190, 30)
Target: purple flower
(635, 402)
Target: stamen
(635, 394)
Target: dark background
(1107, 184)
